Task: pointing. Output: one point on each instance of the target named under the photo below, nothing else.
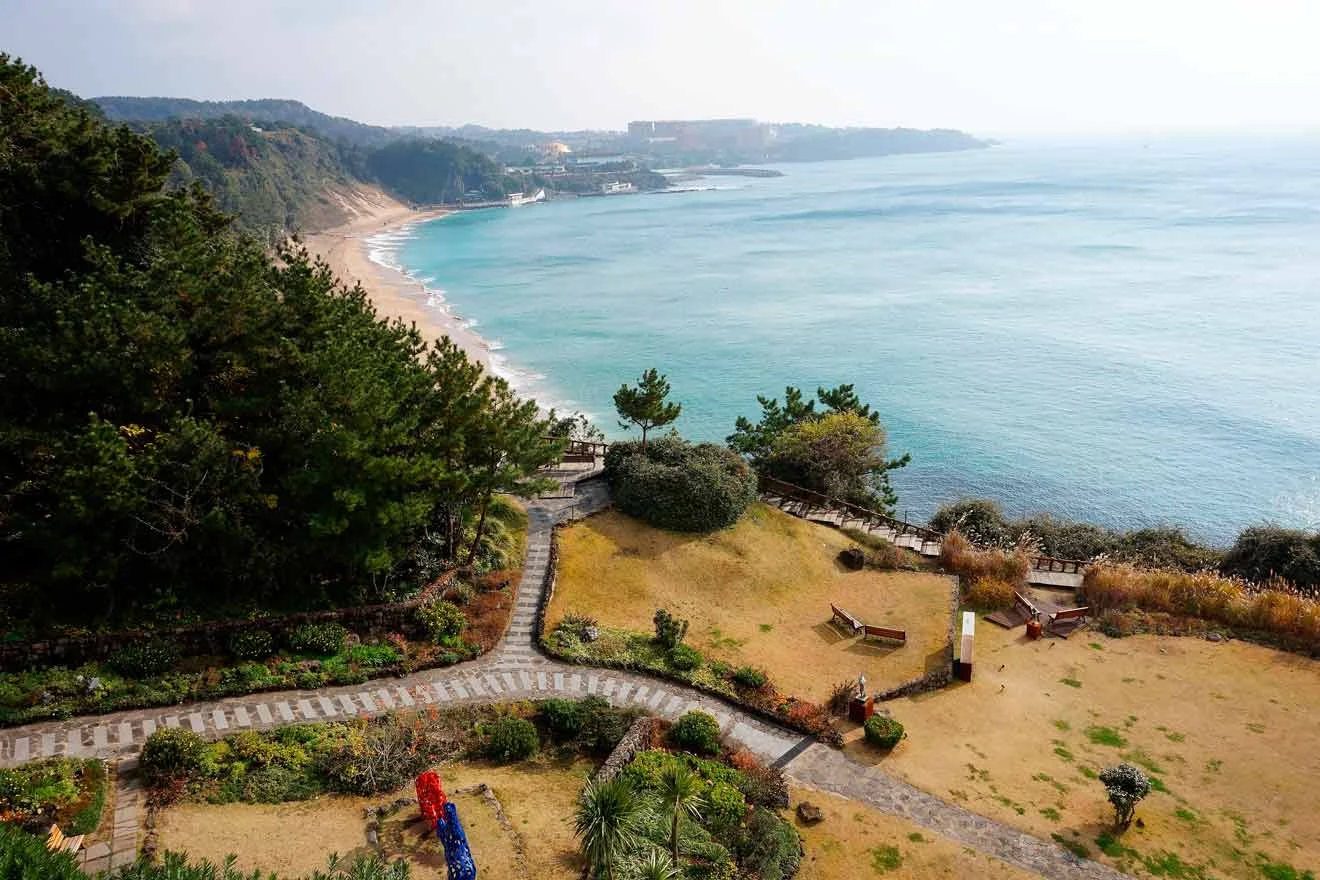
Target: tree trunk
(481, 528)
(644, 438)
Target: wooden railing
(581, 447)
(846, 508)
(1052, 563)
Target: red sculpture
(430, 796)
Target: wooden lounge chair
(882, 632)
(843, 618)
(57, 841)
(1062, 623)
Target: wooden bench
(845, 619)
(1062, 623)
(57, 841)
(881, 632)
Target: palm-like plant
(658, 867)
(679, 790)
(609, 815)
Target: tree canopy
(838, 450)
(187, 421)
(646, 405)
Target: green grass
(1280, 871)
(1110, 846)
(1051, 813)
(1072, 846)
(1143, 760)
(1256, 727)
(1088, 773)
(1187, 815)
(916, 837)
(1070, 682)
(1062, 725)
(886, 858)
(1096, 646)
(1063, 753)
(1174, 736)
(766, 627)
(1105, 736)
(1167, 864)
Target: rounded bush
(252, 644)
(696, 732)
(563, 718)
(750, 677)
(460, 594)
(883, 731)
(143, 659)
(680, 486)
(171, 754)
(443, 621)
(322, 639)
(512, 739)
(684, 658)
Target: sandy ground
(1229, 729)
(296, 839)
(394, 294)
(854, 841)
(757, 594)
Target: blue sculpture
(458, 857)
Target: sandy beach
(394, 294)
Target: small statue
(861, 686)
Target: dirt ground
(758, 594)
(1227, 729)
(295, 839)
(854, 842)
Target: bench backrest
(579, 458)
(1021, 601)
(886, 633)
(844, 615)
(55, 840)
(1071, 613)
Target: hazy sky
(987, 66)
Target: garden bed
(68, 792)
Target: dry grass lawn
(296, 839)
(756, 594)
(856, 842)
(1229, 730)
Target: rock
(93, 685)
(352, 639)
(590, 633)
(808, 813)
(1214, 637)
(853, 558)
(373, 838)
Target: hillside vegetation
(188, 423)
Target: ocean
(1122, 332)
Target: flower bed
(66, 791)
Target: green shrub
(144, 659)
(24, 856)
(602, 725)
(277, 784)
(320, 639)
(512, 739)
(169, 755)
(696, 732)
(443, 621)
(725, 804)
(562, 718)
(374, 656)
(684, 658)
(252, 644)
(669, 630)
(768, 847)
(1264, 552)
(750, 677)
(680, 486)
(883, 731)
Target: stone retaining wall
(635, 740)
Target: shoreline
(394, 293)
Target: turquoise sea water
(1120, 332)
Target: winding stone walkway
(516, 670)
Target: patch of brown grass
(757, 594)
(488, 617)
(974, 566)
(989, 594)
(1275, 609)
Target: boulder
(853, 558)
(808, 813)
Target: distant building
(615, 187)
(556, 149)
(703, 133)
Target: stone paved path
(515, 670)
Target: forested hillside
(274, 180)
(189, 424)
(263, 111)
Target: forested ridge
(191, 424)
